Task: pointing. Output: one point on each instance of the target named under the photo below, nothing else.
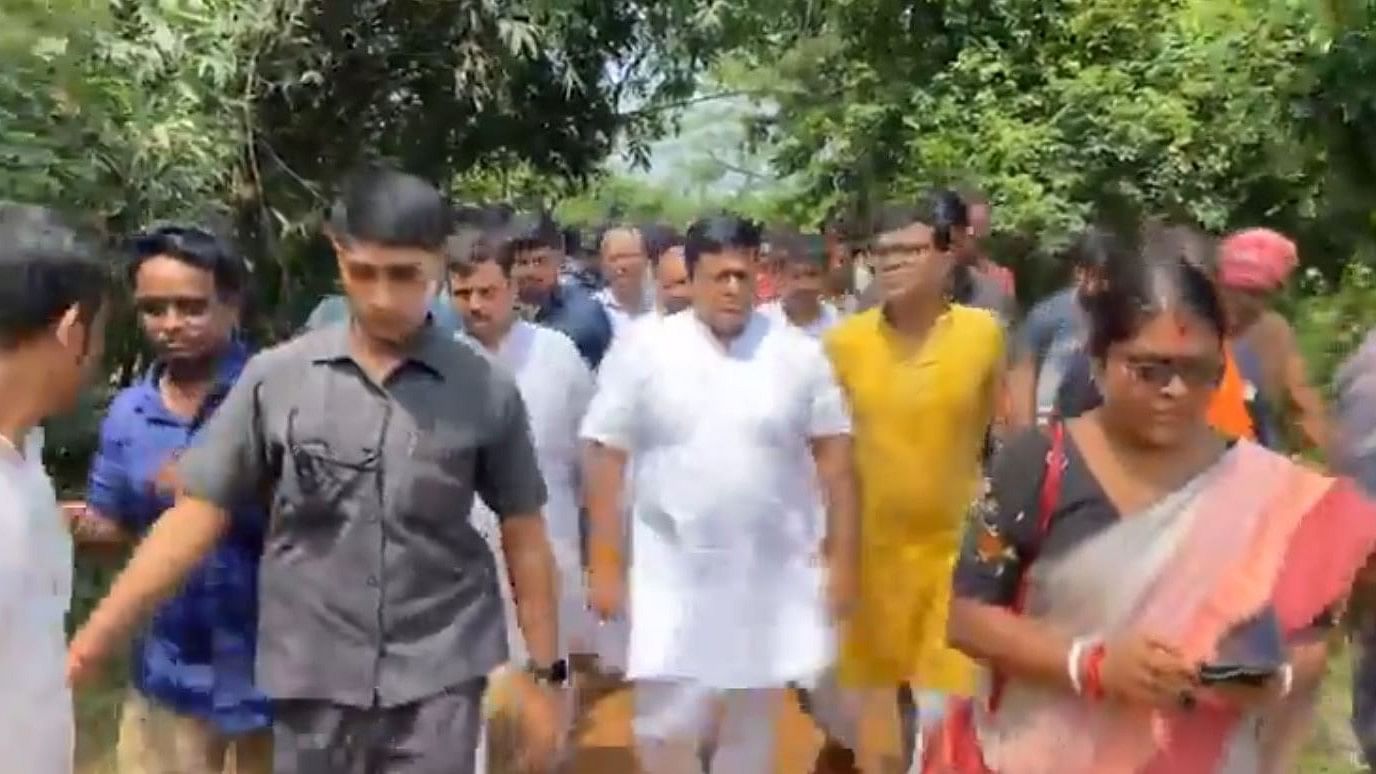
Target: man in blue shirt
(534, 248)
(193, 698)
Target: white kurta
(774, 310)
(622, 317)
(555, 385)
(36, 732)
(725, 577)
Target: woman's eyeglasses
(1158, 373)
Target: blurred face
(674, 291)
(1159, 383)
(724, 290)
(535, 271)
(486, 299)
(389, 288)
(624, 261)
(181, 311)
(73, 356)
(1243, 307)
(907, 264)
(803, 282)
(840, 264)
(980, 225)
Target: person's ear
(71, 332)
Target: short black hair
(467, 250)
(387, 207)
(47, 266)
(660, 238)
(943, 210)
(195, 247)
(716, 234)
(797, 249)
(529, 230)
(1097, 248)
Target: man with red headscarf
(1253, 265)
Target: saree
(1252, 531)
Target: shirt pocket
(326, 467)
(443, 470)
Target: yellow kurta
(920, 417)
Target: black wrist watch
(556, 674)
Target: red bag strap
(1049, 497)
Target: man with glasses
(192, 707)
(625, 267)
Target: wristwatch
(556, 674)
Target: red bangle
(1094, 663)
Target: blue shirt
(573, 311)
(196, 656)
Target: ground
(603, 736)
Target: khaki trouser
(156, 740)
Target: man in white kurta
(555, 385)
(726, 591)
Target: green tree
(1061, 110)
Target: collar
(227, 369)
(427, 348)
(744, 342)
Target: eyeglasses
(1158, 373)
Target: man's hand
(86, 655)
(544, 724)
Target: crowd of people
(735, 467)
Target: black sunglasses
(1158, 373)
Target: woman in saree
(1118, 555)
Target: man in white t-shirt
(725, 416)
(802, 282)
(52, 329)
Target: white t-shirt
(818, 328)
(555, 385)
(725, 580)
(36, 733)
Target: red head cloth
(1256, 259)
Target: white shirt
(622, 316)
(825, 321)
(725, 580)
(555, 385)
(36, 733)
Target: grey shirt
(1053, 334)
(374, 587)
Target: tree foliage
(1063, 110)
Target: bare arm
(836, 473)
(176, 544)
(530, 563)
(1022, 388)
(1311, 414)
(604, 479)
(1013, 644)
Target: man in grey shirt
(380, 613)
(1052, 338)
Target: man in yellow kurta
(921, 374)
